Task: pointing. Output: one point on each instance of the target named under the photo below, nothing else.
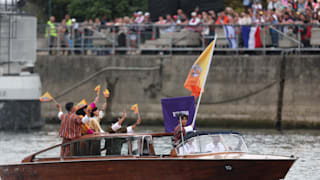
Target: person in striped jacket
(70, 127)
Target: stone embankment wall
(240, 90)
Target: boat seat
(113, 146)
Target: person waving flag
(97, 89)
(82, 104)
(46, 97)
(106, 93)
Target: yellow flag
(98, 89)
(199, 71)
(46, 97)
(81, 104)
(135, 108)
(106, 93)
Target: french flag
(254, 38)
(245, 31)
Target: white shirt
(194, 21)
(188, 149)
(101, 114)
(215, 147)
(257, 6)
(274, 5)
(139, 19)
(188, 128)
(84, 120)
(245, 21)
(129, 129)
(60, 114)
(116, 126)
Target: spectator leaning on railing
(133, 30)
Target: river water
(304, 144)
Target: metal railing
(152, 38)
(8, 6)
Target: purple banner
(172, 106)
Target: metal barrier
(152, 38)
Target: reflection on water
(304, 144)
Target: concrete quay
(241, 91)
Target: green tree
(85, 9)
(235, 4)
(40, 8)
(238, 6)
(59, 8)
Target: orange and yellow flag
(46, 97)
(135, 108)
(199, 71)
(81, 104)
(97, 89)
(106, 93)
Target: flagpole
(204, 82)
(55, 101)
(181, 131)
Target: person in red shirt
(185, 129)
(70, 127)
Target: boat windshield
(98, 147)
(212, 143)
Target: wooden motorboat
(151, 156)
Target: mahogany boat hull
(151, 168)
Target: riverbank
(241, 91)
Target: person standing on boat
(85, 129)
(186, 129)
(93, 125)
(95, 117)
(70, 127)
(116, 127)
(130, 129)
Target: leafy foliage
(238, 6)
(235, 4)
(85, 9)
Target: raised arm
(60, 110)
(123, 117)
(96, 100)
(104, 106)
(131, 128)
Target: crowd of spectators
(276, 13)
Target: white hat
(139, 13)
(73, 20)
(147, 14)
(193, 14)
